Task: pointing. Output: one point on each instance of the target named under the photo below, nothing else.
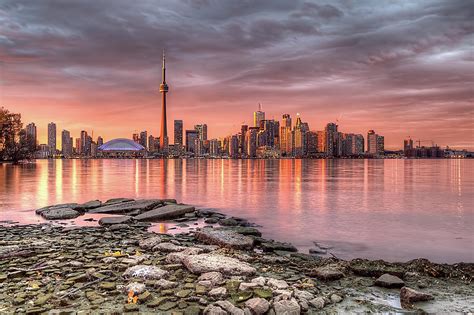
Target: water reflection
(394, 209)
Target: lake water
(390, 209)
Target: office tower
(251, 142)
(311, 142)
(346, 143)
(144, 139)
(258, 116)
(85, 147)
(191, 136)
(202, 131)
(286, 136)
(78, 146)
(234, 147)
(262, 138)
(52, 138)
(332, 140)
(100, 141)
(66, 144)
(299, 139)
(380, 145)
(32, 135)
(88, 147)
(408, 147)
(271, 131)
(151, 144)
(136, 137)
(214, 147)
(372, 142)
(198, 147)
(178, 133)
(163, 91)
(321, 141)
(243, 132)
(358, 144)
(93, 148)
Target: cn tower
(163, 91)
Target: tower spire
(163, 69)
(163, 91)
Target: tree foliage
(14, 145)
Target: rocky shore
(225, 267)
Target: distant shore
(223, 267)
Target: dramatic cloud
(403, 68)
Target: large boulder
(287, 307)
(224, 238)
(388, 281)
(120, 219)
(170, 211)
(60, 213)
(90, 205)
(326, 273)
(258, 306)
(129, 206)
(409, 296)
(226, 265)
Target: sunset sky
(403, 68)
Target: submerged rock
(409, 296)
(170, 211)
(207, 262)
(225, 238)
(128, 206)
(388, 281)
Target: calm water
(391, 209)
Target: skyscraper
(258, 116)
(331, 140)
(144, 139)
(66, 144)
(191, 136)
(32, 135)
(286, 136)
(251, 142)
(163, 91)
(52, 137)
(85, 143)
(202, 131)
(178, 133)
(100, 141)
(375, 143)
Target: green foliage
(14, 145)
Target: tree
(13, 141)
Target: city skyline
(327, 62)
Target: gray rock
(229, 307)
(409, 296)
(388, 281)
(318, 303)
(220, 292)
(336, 298)
(90, 205)
(277, 284)
(116, 227)
(168, 247)
(60, 213)
(164, 213)
(225, 238)
(207, 262)
(150, 242)
(145, 272)
(326, 273)
(278, 246)
(246, 230)
(303, 295)
(58, 206)
(128, 206)
(136, 287)
(213, 277)
(228, 222)
(117, 200)
(214, 310)
(287, 307)
(257, 306)
(119, 219)
(165, 284)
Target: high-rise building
(286, 136)
(52, 138)
(32, 135)
(191, 136)
(311, 142)
(163, 91)
(258, 116)
(242, 143)
(380, 145)
(375, 143)
(78, 146)
(251, 142)
(85, 144)
(93, 149)
(202, 131)
(100, 141)
(214, 147)
(299, 139)
(332, 140)
(144, 139)
(234, 147)
(357, 144)
(408, 147)
(178, 133)
(151, 144)
(321, 141)
(136, 137)
(66, 144)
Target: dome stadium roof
(121, 144)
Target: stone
(257, 305)
(211, 221)
(145, 272)
(130, 307)
(318, 303)
(226, 265)
(108, 285)
(214, 310)
(60, 213)
(388, 281)
(117, 200)
(120, 219)
(143, 297)
(220, 292)
(157, 301)
(183, 293)
(41, 300)
(326, 273)
(247, 286)
(277, 284)
(229, 307)
(213, 277)
(135, 287)
(246, 230)
(116, 227)
(303, 295)
(90, 205)
(336, 298)
(261, 281)
(59, 206)
(165, 284)
(168, 247)
(128, 206)
(409, 296)
(241, 296)
(263, 293)
(167, 306)
(278, 246)
(225, 238)
(368, 268)
(150, 242)
(228, 222)
(192, 310)
(165, 213)
(287, 307)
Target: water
(395, 210)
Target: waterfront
(389, 209)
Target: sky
(402, 68)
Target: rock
(122, 219)
(303, 295)
(258, 306)
(228, 222)
(143, 297)
(60, 213)
(128, 206)
(261, 281)
(336, 298)
(277, 246)
(168, 247)
(90, 205)
(263, 293)
(366, 268)
(409, 296)
(108, 285)
(225, 238)
(229, 307)
(43, 299)
(241, 296)
(214, 310)
(131, 307)
(317, 251)
(248, 286)
(318, 303)
(287, 307)
(213, 277)
(135, 287)
(116, 227)
(165, 213)
(192, 310)
(150, 242)
(207, 262)
(217, 293)
(144, 272)
(326, 273)
(165, 284)
(388, 281)
(183, 293)
(59, 206)
(277, 284)
(167, 306)
(117, 200)
(245, 230)
(211, 221)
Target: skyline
(101, 76)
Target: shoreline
(250, 273)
